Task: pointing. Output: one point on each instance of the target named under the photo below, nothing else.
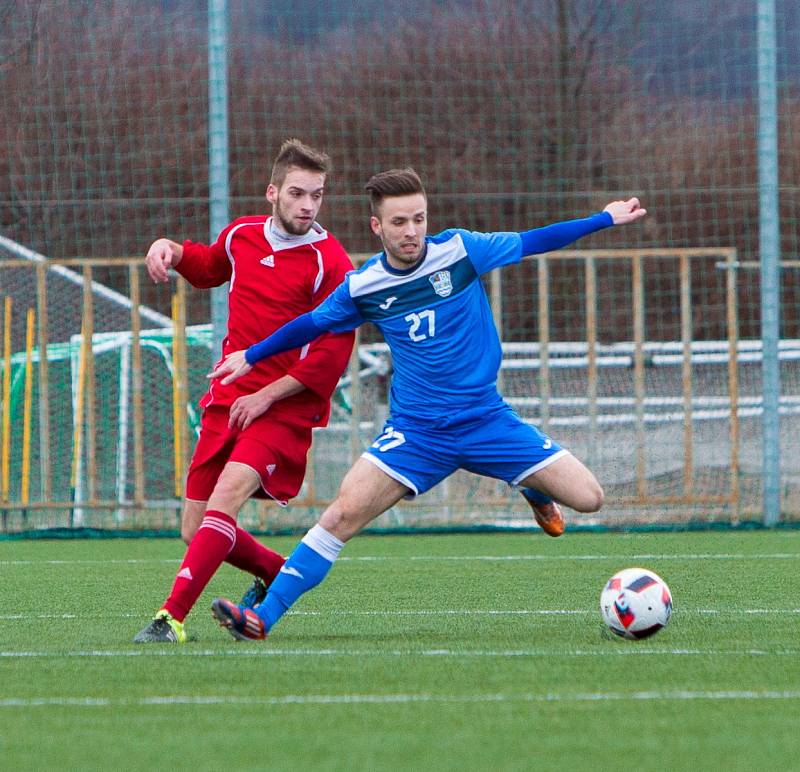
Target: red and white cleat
(242, 623)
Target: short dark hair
(395, 182)
(294, 153)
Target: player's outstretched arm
(561, 234)
(293, 334)
(625, 212)
(162, 255)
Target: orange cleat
(548, 516)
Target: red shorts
(275, 450)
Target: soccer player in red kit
(255, 433)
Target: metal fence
(516, 112)
(99, 410)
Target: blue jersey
(436, 319)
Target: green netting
(517, 113)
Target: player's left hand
(246, 409)
(234, 366)
(624, 212)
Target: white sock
(323, 542)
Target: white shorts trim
(536, 467)
(260, 480)
(394, 475)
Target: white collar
(279, 239)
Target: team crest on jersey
(441, 283)
(269, 261)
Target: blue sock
(537, 497)
(305, 568)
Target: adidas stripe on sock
(209, 547)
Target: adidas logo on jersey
(269, 261)
(270, 468)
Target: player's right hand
(233, 366)
(246, 409)
(162, 255)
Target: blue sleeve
(560, 234)
(293, 334)
(338, 312)
(488, 251)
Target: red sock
(210, 546)
(252, 556)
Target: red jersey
(274, 278)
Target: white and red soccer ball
(636, 603)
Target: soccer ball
(636, 603)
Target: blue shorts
(492, 442)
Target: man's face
(401, 224)
(296, 203)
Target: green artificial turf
(418, 652)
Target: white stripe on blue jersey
(435, 318)
(380, 276)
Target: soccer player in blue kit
(425, 295)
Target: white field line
(459, 558)
(617, 649)
(110, 562)
(393, 699)
(645, 556)
(329, 613)
(24, 616)
(527, 612)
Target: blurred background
(646, 362)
